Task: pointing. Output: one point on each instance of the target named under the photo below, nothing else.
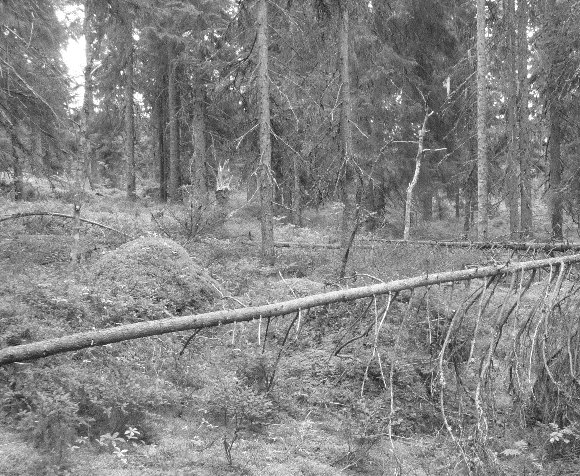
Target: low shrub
(231, 401)
(196, 217)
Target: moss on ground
(150, 275)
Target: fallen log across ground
(485, 245)
(477, 245)
(83, 340)
(62, 215)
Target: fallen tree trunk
(62, 215)
(488, 245)
(83, 340)
(480, 245)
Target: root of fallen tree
(83, 340)
(62, 215)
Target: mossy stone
(150, 276)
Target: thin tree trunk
(173, 185)
(16, 167)
(512, 173)
(348, 185)
(555, 139)
(265, 168)
(481, 128)
(411, 187)
(85, 143)
(90, 163)
(296, 194)
(198, 160)
(159, 117)
(129, 117)
(555, 158)
(526, 224)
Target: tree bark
(512, 172)
(526, 218)
(129, 116)
(159, 117)
(173, 185)
(16, 167)
(555, 158)
(481, 128)
(85, 139)
(296, 194)
(411, 187)
(90, 164)
(198, 160)
(348, 184)
(555, 139)
(265, 168)
(138, 330)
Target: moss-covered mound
(148, 277)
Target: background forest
(218, 155)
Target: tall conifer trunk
(296, 194)
(555, 158)
(129, 116)
(526, 216)
(159, 117)
(481, 131)
(198, 160)
(265, 168)
(512, 173)
(173, 183)
(555, 139)
(85, 143)
(348, 185)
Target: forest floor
(258, 398)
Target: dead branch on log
(62, 215)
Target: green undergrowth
(313, 393)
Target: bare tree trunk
(16, 167)
(265, 168)
(85, 142)
(129, 117)
(481, 130)
(512, 173)
(411, 187)
(198, 161)
(173, 185)
(555, 139)
(90, 163)
(348, 183)
(526, 224)
(555, 158)
(296, 194)
(159, 116)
